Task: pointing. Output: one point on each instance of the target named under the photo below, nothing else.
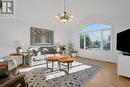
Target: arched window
(96, 36)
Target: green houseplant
(71, 50)
(74, 53)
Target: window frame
(101, 30)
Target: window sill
(106, 51)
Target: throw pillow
(52, 50)
(35, 52)
(44, 51)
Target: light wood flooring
(107, 76)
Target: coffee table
(67, 60)
(51, 59)
(59, 59)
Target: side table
(24, 54)
(18, 58)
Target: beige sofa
(38, 55)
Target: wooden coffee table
(51, 59)
(67, 60)
(59, 59)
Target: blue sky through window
(96, 26)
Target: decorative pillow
(44, 51)
(35, 52)
(52, 50)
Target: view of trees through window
(96, 37)
(81, 40)
(106, 40)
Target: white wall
(30, 13)
(14, 29)
(118, 24)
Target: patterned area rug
(79, 74)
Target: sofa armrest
(36, 60)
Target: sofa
(39, 54)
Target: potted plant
(72, 52)
(19, 49)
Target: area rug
(79, 74)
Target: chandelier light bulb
(64, 16)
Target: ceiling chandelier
(64, 16)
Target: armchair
(16, 81)
(4, 69)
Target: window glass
(81, 40)
(96, 37)
(106, 39)
(95, 40)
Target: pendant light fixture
(64, 16)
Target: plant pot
(74, 54)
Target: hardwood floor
(107, 77)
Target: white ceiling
(43, 12)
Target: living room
(15, 30)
